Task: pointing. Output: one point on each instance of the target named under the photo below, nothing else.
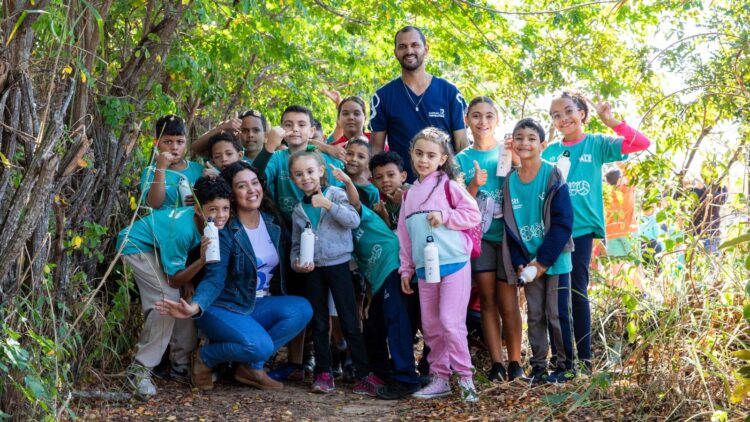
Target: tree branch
(535, 12)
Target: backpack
(474, 233)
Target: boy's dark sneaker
(561, 376)
(514, 371)
(349, 375)
(538, 375)
(287, 372)
(397, 390)
(497, 372)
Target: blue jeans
(253, 338)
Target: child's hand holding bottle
(435, 218)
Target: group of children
(487, 227)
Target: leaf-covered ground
(232, 401)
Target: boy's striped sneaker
(438, 387)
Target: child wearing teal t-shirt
(498, 298)
(585, 155)
(160, 182)
(538, 226)
(156, 247)
(376, 252)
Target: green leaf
(745, 372)
(736, 241)
(16, 26)
(746, 312)
(632, 330)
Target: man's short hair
(408, 28)
(298, 109)
(208, 188)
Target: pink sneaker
(323, 383)
(368, 386)
(439, 387)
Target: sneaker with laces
(139, 378)
(561, 376)
(514, 371)
(468, 392)
(538, 375)
(368, 386)
(323, 383)
(438, 387)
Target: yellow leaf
(140, 409)
(185, 2)
(83, 77)
(172, 76)
(742, 354)
(47, 269)
(741, 391)
(82, 163)
(158, 58)
(4, 160)
(133, 204)
(67, 70)
(77, 241)
(51, 353)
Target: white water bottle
(185, 189)
(504, 162)
(563, 163)
(307, 246)
(213, 254)
(431, 261)
(527, 275)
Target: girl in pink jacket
(439, 208)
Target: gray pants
(549, 313)
(158, 330)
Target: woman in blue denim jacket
(233, 305)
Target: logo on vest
(516, 204)
(585, 158)
(581, 187)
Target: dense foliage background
(82, 81)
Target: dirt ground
(231, 401)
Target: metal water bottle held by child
(213, 253)
(431, 261)
(307, 246)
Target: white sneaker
(438, 387)
(468, 392)
(139, 378)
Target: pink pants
(443, 314)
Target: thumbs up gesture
(480, 175)
(320, 201)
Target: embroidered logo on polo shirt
(437, 115)
(585, 158)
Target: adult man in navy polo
(414, 101)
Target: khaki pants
(158, 330)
